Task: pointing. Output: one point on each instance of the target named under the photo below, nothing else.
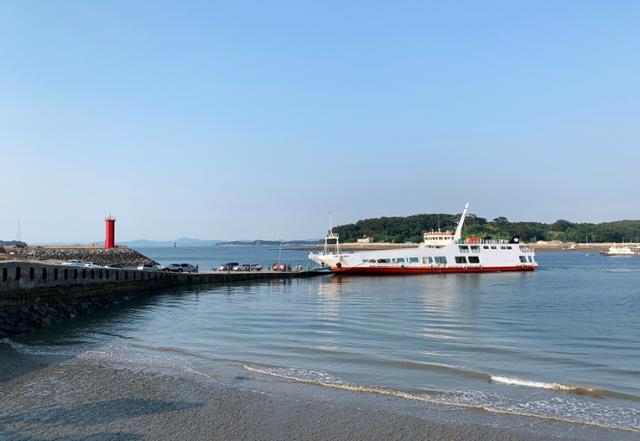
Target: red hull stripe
(398, 270)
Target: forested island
(410, 229)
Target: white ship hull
(460, 258)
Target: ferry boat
(619, 250)
(440, 252)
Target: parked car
(114, 265)
(180, 268)
(91, 265)
(188, 268)
(172, 267)
(227, 266)
(147, 267)
(73, 262)
(248, 267)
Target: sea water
(561, 344)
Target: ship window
(474, 259)
(440, 259)
(372, 260)
(464, 249)
(485, 247)
(508, 248)
(475, 248)
(461, 259)
(530, 259)
(493, 247)
(383, 260)
(398, 259)
(523, 259)
(414, 260)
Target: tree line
(410, 229)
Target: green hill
(410, 228)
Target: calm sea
(560, 344)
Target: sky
(244, 120)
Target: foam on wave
(288, 374)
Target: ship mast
(328, 239)
(458, 234)
(331, 236)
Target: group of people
(285, 267)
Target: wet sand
(70, 398)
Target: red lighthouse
(110, 237)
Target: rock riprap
(100, 256)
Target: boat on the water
(622, 250)
(440, 252)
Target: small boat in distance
(440, 252)
(622, 250)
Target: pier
(34, 294)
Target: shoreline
(54, 396)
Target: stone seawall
(33, 295)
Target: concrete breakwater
(101, 256)
(33, 294)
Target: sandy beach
(76, 398)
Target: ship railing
(482, 242)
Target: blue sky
(255, 119)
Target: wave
(580, 390)
(542, 385)
(61, 350)
(444, 399)
(414, 365)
